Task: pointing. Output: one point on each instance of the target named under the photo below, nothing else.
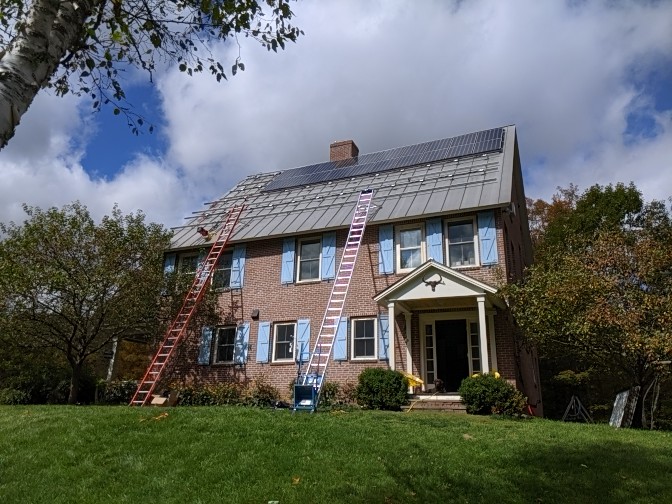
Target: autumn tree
(84, 46)
(601, 289)
(73, 285)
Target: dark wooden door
(452, 356)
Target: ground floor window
(224, 344)
(364, 338)
(283, 342)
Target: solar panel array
(428, 152)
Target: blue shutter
(241, 343)
(263, 339)
(238, 267)
(169, 263)
(303, 340)
(487, 237)
(385, 249)
(287, 274)
(435, 240)
(204, 346)
(341, 340)
(328, 255)
(383, 336)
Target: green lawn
(56, 454)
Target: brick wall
(287, 303)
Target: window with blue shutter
(341, 340)
(242, 343)
(385, 249)
(328, 255)
(204, 346)
(238, 267)
(303, 340)
(435, 240)
(383, 336)
(288, 253)
(169, 263)
(487, 237)
(263, 339)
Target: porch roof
(431, 284)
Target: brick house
(448, 223)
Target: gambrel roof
(439, 186)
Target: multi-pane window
(309, 259)
(221, 277)
(283, 342)
(225, 341)
(410, 248)
(461, 244)
(474, 349)
(364, 338)
(188, 264)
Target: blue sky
(588, 84)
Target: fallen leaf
(467, 436)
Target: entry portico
(450, 316)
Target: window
(474, 349)
(364, 338)
(188, 264)
(410, 248)
(461, 244)
(309, 259)
(283, 342)
(224, 344)
(221, 278)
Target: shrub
(262, 394)
(219, 394)
(11, 396)
(381, 389)
(486, 394)
(330, 394)
(116, 392)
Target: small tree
(74, 285)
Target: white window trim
(397, 245)
(212, 277)
(374, 357)
(298, 259)
(275, 337)
(216, 346)
(477, 252)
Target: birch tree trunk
(53, 28)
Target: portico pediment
(433, 280)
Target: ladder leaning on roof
(309, 385)
(178, 328)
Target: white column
(409, 357)
(391, 335)
(493, 345)
(482, 332)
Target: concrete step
(436, 403)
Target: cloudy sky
(588, 84)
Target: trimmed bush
(487, 394)
(219, 394)
(262, 394)
(117, 392)
(381, 389)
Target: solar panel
(448, 148)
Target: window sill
(364, 359)
(223, 364)
(283, 363)
(311, 281)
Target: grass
(60, 454)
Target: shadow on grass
(590, 472)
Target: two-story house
(448, 224)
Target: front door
(452, 353)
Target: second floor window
(410, 251)
(461, 244)
(221, 278)
(188, 264)
(309, 259)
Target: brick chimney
(340, 151)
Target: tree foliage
(71, 284)
(601, 288)
(85, 46)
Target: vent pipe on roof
(341, 151)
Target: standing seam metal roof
(451, 185)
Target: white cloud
(384, 74)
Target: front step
(435, 402)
